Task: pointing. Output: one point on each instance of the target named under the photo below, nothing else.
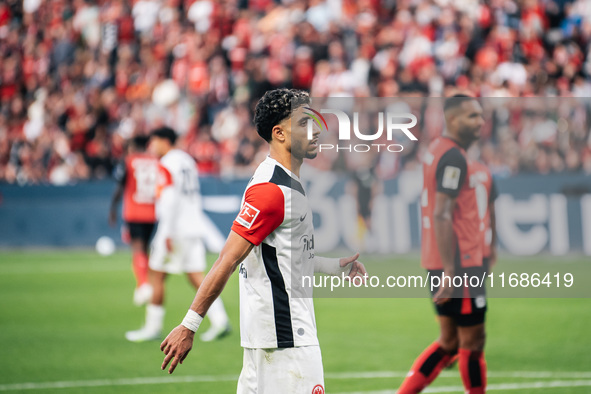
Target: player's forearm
(444, 234)
(493, 225)
(493, 229)
(213, 285)
(116, 198)
(233, 253)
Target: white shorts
(188, 255)
(296, 370)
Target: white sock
(217, 314)
(154, 317)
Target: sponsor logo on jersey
(307, 242)
(318, 389)
(248, 215)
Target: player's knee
(138, 245)
(475, 341)
(449, 343)
(481, 340)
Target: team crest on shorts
(480, 302)
(318, 389)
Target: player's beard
(311, 155)
(301, 150)
(468, 135)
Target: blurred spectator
(79, 77)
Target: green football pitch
(63, 316)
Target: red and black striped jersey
(139, 180)
(446, 170)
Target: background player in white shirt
(177, 246)
(271, 238)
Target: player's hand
(444, 293)
(112, 218)
(357, 268)
(177, 345)
(169, 245)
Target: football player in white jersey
(177, 246)
(272, 237)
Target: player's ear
(278, 133)
(450, 117)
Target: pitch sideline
(493, 387)
(335, 376)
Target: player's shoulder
(264, 172)
(273, 173)
(438, 148)
(453, 154)
(129, 159)
(140, 158)
(176, 158)
(442, 144)
(445, 151)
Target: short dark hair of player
(166, 133)
(139, 142)
(276, 106)
(455, 101)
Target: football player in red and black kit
(136, 179)
(452, 244)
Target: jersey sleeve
(164, 179)
(167, 204)
(451, 172)
(262, 211)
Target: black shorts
(468, 306)
(141, 231)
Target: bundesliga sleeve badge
(451, 177)
(247, 215)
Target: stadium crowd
(80, 77)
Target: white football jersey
(275, 216)
(178, 204)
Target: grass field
(63, 316)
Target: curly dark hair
(275, 106)
(166, 133)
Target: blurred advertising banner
(364, 185)
(535, 213)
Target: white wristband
(192, 320)
(330, 266)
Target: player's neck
(463, 144)
(286, 160)
(165, 152)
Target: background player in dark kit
(452, 244)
